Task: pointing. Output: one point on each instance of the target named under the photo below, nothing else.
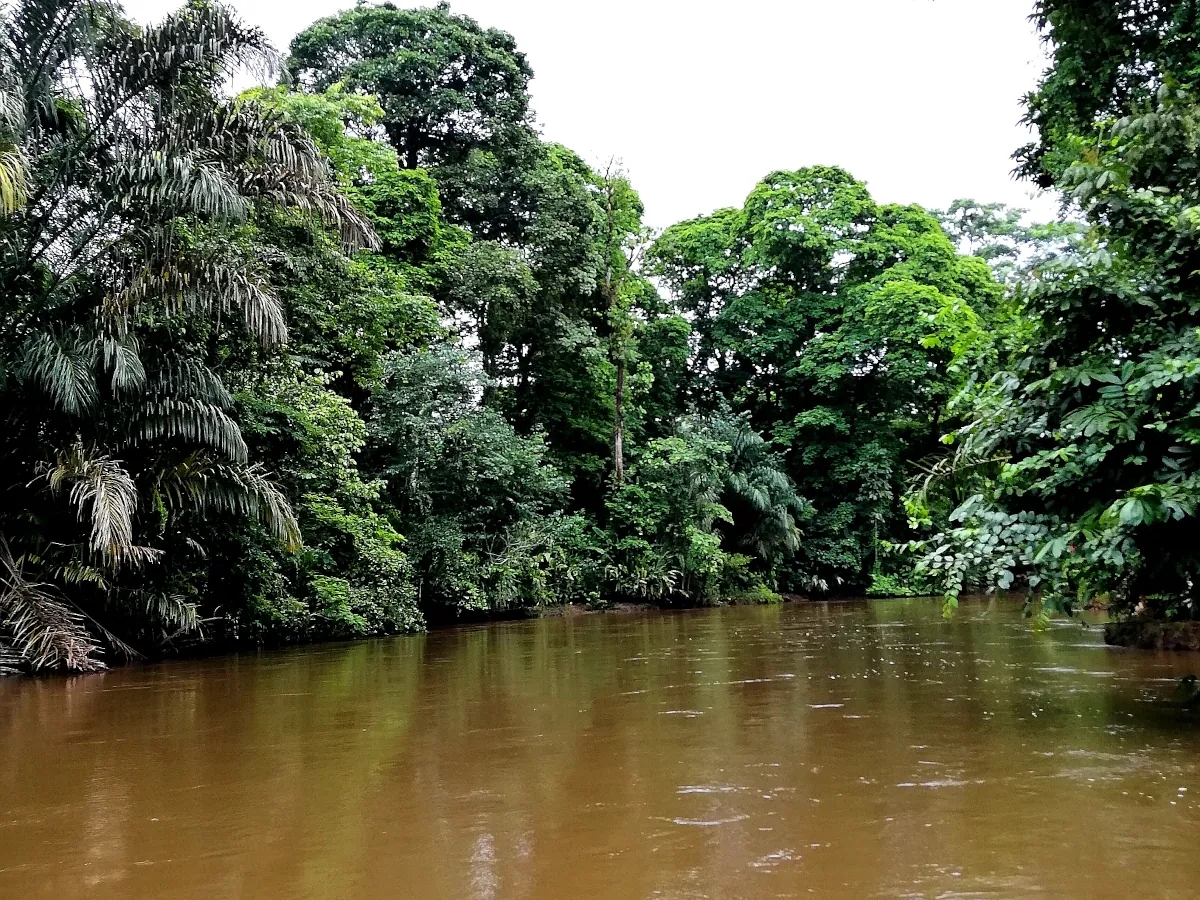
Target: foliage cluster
(1077, 469)
(359, 351)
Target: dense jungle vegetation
(358, 350)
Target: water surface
(842, 750)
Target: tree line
(358, 350)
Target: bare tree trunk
(616, 351)
(412, 148)
(619, 425)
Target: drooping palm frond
(121, 358)
(13, 184)
(211, 279)
(66, 366)
(14, 166)
(271, 159)
(73, 572)
(164, 183)
(298, 177)
(185, 376)
(191, 421)
(39, 628)
(200, 482)
(204, 43)
(104, 495)
(40, 37)
(63, 366)
(211, 283)
(172, 611)
(757, 484)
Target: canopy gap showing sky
(699, 100)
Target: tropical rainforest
(358, 351)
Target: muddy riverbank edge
(572, 610)
(1146, 635)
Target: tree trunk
(412, 148)
(619, 429)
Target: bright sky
(699, 99)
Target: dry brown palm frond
(11, 660)
(38, 625)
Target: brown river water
(851, 750)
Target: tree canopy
(1085, 430)
(358, 350)
(446, 86)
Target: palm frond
(171, 611)
(14, 188)
(171, 184)
(208, 41)
(121, 357)
(12, 107)
(75, 572)
(11, 659)
(41, 37)
(63, 366)
(183, 376)
(103, 493)
(203, 483)
(40, 628)
(295, 175)
(192, 420)
(209, 281)
(266, 500)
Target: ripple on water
(772, 860)
(710, 823)
(711, 789)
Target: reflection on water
(845, 750)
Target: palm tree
(757, 491)
(126, 184)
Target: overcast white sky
(700, 99)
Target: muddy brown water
(845, 750)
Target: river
(849, 750)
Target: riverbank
(571, 610)
(1182, 636)
(218, 645)
(1147, 635)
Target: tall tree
(624, 239)
(123, 268)
(447, 86)
(1091, 422)
(1110, 58)
(836, 324)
